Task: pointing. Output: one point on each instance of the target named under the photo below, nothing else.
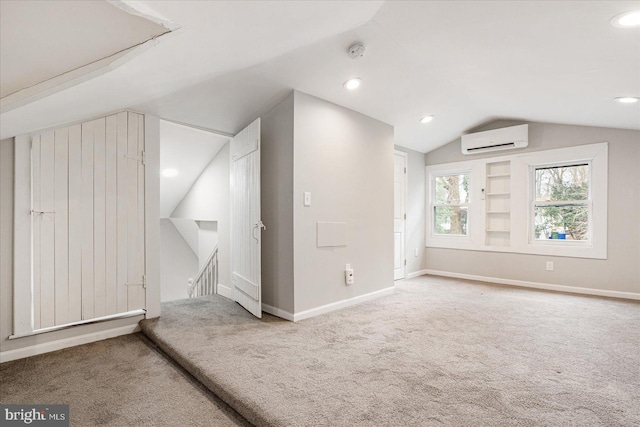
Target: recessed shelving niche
(498, 204)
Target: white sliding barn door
(245, 219)
(88, 220)
(399, 216)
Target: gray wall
(208, 200)
(177, 263)
(345, 159)
(276, 162)
(416, 204)
(6, 239)
(620, 272)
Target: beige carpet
(437, 352)
(119, 382)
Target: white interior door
(399, 213)
(88, 221)
(245, 219)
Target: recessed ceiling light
(426, 119)
(170, 172)
(627, 100)
(353, 83)
(627, 19)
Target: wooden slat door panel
(88, 220)
(121, 210)
(111, 212)
(47, 237)
(246, 226)
(35, 206)
(75, 223)
(61, 226)
(135, 203)
(99, 216)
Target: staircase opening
(194, 211)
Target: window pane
(562, 222)
(450, 220)
(562, 183)
(452, 189)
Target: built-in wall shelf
(498, 204)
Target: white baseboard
(225, 291)
(33, 350)
(325, 308)
(417, 273)
(537, 285)
(342, 304)
(277, 312)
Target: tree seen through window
(561, 205)
(451, 204)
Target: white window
(551, 202)
(451, 213)
(451, 204)
(561, 203)
(566, 202)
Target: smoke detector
(356, 50)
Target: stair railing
(206, 281)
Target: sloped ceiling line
(75, 76)
(39, 78)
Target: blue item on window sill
(558, 236)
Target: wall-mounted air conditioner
(497, 139)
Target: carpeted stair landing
(437, 352)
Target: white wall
(276, 161)
(177, 263)
(207, 240)
(208, 200)
(345, 159)
(620, 272)
(152, 214)
(416, 191)
(188, 229)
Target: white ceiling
(34, 38)
(466, 62)
(189, 151)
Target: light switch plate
(307, 198)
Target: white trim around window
(596, 155)
(458, 241)
(520, 234)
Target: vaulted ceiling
(188, 151)
(220, 64)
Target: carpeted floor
(118, 382)
(437, 352)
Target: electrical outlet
(549, 265)
(348, 275)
